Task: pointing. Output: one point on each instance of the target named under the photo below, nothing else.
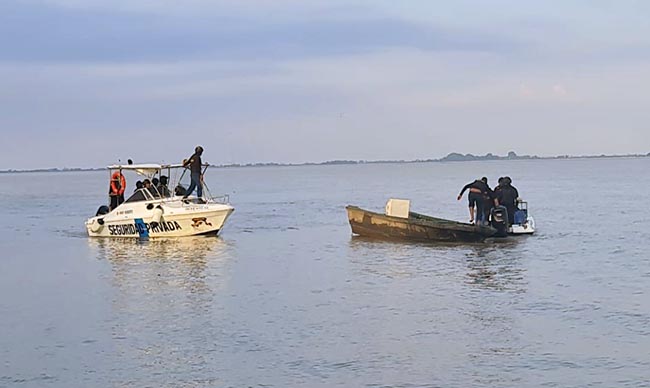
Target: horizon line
(451, 157)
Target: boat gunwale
(431, 222)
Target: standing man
(507, 196)
(195, 165)
(489, 201)
(478, 190)
(116, 189)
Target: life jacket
(118, 183)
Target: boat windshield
(140, 195)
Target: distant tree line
(452, 157)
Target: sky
(86, 83)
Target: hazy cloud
(88, 82)
(31, 32)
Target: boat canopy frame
(153, 170)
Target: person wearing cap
(195, 166)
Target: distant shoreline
(452, 157)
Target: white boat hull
(160, 218)
(526, 228)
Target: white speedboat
(158, 211)
(524, 222)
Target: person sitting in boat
(179, 190)
(154, 188)
(138, 186)
(146, 185)
(477, 191)
(162, 187)
(116, 189)
(507, 196)
(194, 163)
(139, 194)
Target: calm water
(287, 298)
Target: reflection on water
(164, 301)
(176, 262)
(388, 259)
(496, 282)
(496, 266)
(493, 264)
(470, 291)
(158, 249)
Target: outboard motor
(102, 210)
(500, 220)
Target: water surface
(287, 298)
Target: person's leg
(470, 198)
(511, 214)
(191, 188)
(487, 209)
(199, 185)
(479, 212)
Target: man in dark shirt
(146, 185)
(162, 187)
(478, 190)
(194, 163)
(489, 202)
(507, 196)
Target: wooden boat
(417, 227)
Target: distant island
(452, 157)
(65, 169)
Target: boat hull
(417, 227)
(177, 220)
(526, 228)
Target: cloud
(37, 32)
(174, 7)
(325, 105)
(307, 81)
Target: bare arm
(188, 161)
(467, 187)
